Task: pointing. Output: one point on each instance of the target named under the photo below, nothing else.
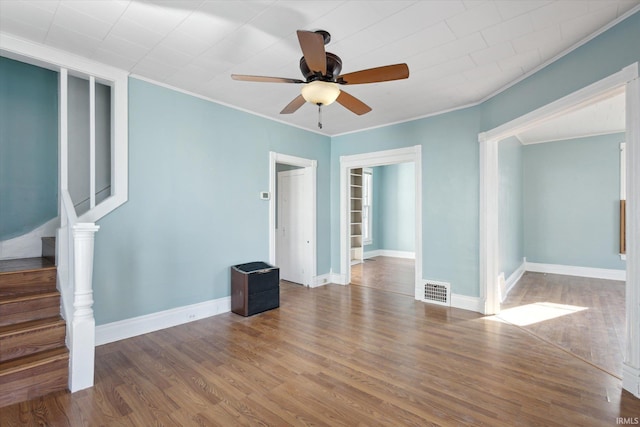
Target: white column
(631, 366)
(83, 331)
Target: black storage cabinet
(255, 287)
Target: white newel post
(83, 331)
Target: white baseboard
(390, 253)
(135, 326)
(513, 278)
(571, 270)
(28, 245)
(321, 280)
(465, 302)
(337, 278)
(631, 379)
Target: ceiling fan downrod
(319, 116)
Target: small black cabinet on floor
(255, 287)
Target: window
(367, 198)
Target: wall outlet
(191, 316)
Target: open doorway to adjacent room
(374, 187)
(383, 227)
(556, 243)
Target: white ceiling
(603, 116)
(459, 51)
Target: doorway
(301, 180)
(379, 158)
(489, 205)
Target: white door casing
(380, 158)
(310, 198)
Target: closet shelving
(355, 233)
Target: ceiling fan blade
(312, 45)
(264, 79)
(293, 106)
(352, 103)
(374, 75)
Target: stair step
(35, 375)
(25, 338)
(27, 307)
(49, 248)
(27, 275)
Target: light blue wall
(571, 202)
(510, 198)
(395, 207)
(28, 147)
(196, 169)
(450, 196)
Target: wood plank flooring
(595, 326)
(337, 356)
(385, 273)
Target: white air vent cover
(437, 292)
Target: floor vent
(437, 292)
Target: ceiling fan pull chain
(320, 116)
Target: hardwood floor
(591, 315)
(337, 355)
(385, 273)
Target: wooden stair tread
(33, 360)
(32, 325)
(25, 264)
(27, 296)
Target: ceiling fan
(321, 71)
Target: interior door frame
(380, 158)
(310, 177)
(489, 250)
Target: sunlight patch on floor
(533, 313)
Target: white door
(291, 240)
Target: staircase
(34, 359)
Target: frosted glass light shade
(319, 92)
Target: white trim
(623, 171)
(514, 278)
(380, 158)
(465, 302)
(574, 270)
(310, 167)
(631, 379)
(323, 279)
(338, 279)
(140, 325)
(632, 289)
(390, 253)
(489, 207)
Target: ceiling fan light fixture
(320, 92)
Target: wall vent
(437, 292)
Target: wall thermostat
(264, 195)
